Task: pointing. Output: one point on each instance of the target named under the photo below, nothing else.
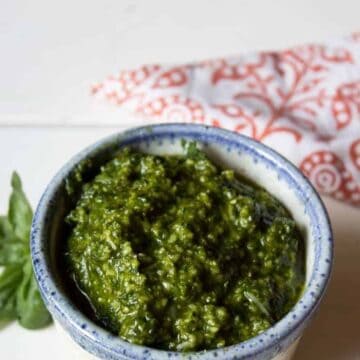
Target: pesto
(175, 253)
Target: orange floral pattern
(303, 102)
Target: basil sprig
(19, 295)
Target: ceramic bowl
(248, 157)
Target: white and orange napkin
(304, 102)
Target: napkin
(303, 102)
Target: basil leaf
(13, 252)
(9, 281)
(19, 296)
(252, 298)
(32, 313)
(9, 277)
(20, 213)
(6, 231)
(241, 188)
(8, 306)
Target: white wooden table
(52, 51)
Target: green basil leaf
(6, 230)
(19, 295)
(8, 304)
(20, 213)
(10, 277)
(13, 252)
(252, 298)
(32, 313)
(9, 281)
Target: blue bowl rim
(101, 338)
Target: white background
(50, 53)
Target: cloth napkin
(304, 102)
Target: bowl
(246, 156)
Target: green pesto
(176, 253)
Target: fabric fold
(304, 102)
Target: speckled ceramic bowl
(255, 161)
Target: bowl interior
(250, 159)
